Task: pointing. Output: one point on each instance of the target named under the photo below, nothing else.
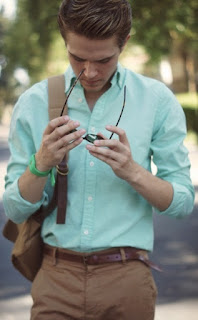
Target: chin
(97, 87)
(93, 88)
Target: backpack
(27, 252)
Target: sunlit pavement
(19, 308)
(183, 310)
(16, 308)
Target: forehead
(91, 49)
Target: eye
(105, 60)
(78, 59)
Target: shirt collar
(69, 78)
(118, 77)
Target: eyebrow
(74, 56)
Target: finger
(105, 152)
(112, 144)
(69, 138)
(64, 130)
(120, 132)
(57, 150)
(102, 135)
(103, 158)
(53, 124)
(72, 145)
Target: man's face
(98, 57)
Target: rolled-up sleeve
(16, 208)
(171, 156)
(182, 203)
(24, 140)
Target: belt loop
(122, 251)
(54, 256)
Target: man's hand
(57, 141)
(116, 153)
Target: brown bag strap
(56, 96)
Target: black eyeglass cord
(121, 111)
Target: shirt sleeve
(24, 140)
(171, 156)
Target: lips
(91, 83)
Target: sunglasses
(91, 137)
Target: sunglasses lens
(92, 137)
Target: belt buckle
(85, 259)
(93, 259)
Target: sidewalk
(19, 307)
(4, 130)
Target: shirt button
(80, 100)
(93, 129)
(86, 232)
(90, 198)
(91, 164)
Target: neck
(92, 97)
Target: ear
(125, 42)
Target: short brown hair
(96, 19)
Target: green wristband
(34, 170)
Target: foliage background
(161, 29)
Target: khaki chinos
(67, 290)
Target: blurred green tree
(4, 26)
(168, 28)
(29, 38)
(161, 27)
(157, 24)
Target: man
(111, 190)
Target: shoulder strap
(56, 95)
(56, 99)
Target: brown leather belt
(94, 259)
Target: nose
(90, 70)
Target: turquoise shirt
(103, 210)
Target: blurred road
(176, 249)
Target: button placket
(96, 123)
(89, 203)
(90, 180)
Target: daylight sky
(10, 6)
